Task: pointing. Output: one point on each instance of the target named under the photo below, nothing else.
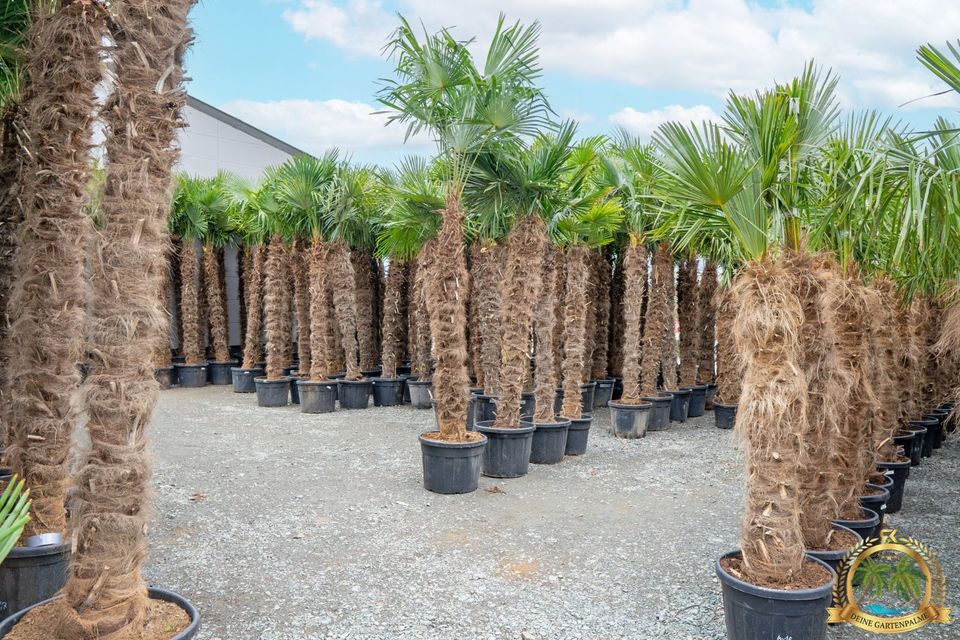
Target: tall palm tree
(214, 204)
(46, 303)
(188, 224)
(439, 89)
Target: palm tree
(105, 591)
(46, 303)
(214, 205)
(188, 224)
(438, 89)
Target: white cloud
(318, 125)
(644, 123)
(583, 117)
(708, 45)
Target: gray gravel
(284, 526)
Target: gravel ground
(284, 526)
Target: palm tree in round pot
(439, 89)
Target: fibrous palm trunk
(46, 303)
(634, 268)
(253, 276)
(343, 281)
(190, 341)
(770, 420)
(319, 316)
(546, 373)
(518, 295)
(301, 297)
(473, 315)
(488, 311)
(574, 329)
(707, 339)
(617, 307)
(365, 312)
(445, 291)
(273, 299)
(10, 216)
(601, 342)
(729, 365)
(105, 594)
(655, 321)
(216, 310)
(883, 363)
(162, 355)
(688, 313)
(559, 314)
(286, 305)
(392, 318)
(670, 355)
(422, 341)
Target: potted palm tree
(187, 225)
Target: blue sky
(307, 70)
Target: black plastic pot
(931, 426)
(905, 440)
(629, 420)
(659, 417)
(376, 372)
(757, 613)
(877, 503)
(157, 594)
(272, 393)
(192, 376)
(865, 526)
(289, 371)
(451, 467)
(698, 400)
(679, 405)
(484, 408)
(549, 440)
(243, 379)
(32, 574)
(834, 558)
(919, 435)
(528, 403)
(220, 374)
(603, 392)
(406, 389)
(724, 415)
(588, 393)
(577, 435)
(421, 393)
(166, 377)
(472, 408)
(507, 454)
(387, 392)
(900, 470)
(354, 394)
(940, 415)
(295, 377)
(317, 396)
(711, 394)
(617, 389)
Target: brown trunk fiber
(545, 391)
(909, 364)
(476, 359)
(422, 342)
(518, 294)
(617, 306)
(190, 342)
(105, 595)
(335, 360)
(286, 317)
(655, 320)
(274, 287)
(445, 292)
(634, 269)
(162, 356)
(343, 282)
(670, 356)
(363, 275)
(301, 297)
(884, 364)
(707, 339)
(574, 329)
(561, 293)
(46, 305)
(601, 342)
(729, 366)
(488, 308)
(688, 313)
(319, 317)
(11, 214)
(252, 349)
(770, 419)
(220, 342)
(402, 352)
(392, 315)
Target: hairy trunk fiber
(319, 317)
(655, 321)
(379, 291)
(545, 390)
(670, 356)
(729, 364)
(617, 308)
(190, 342)
(392, 318)
(445, 292)
(476, 358)
(364, 308)
(422, 342)
(770, 419)
(634, 269)
(343, 281)
(162, 355)
(46, 305)
(273, 307)
(601, 342)
(488, 311)
(286, 317)
(518, 295)
(11, 214)
(909, 363)
(335, 359)
(220, 342)
(253, 288)
(105, 595)
(884, 362)
(707, 339)
(688, 313)
(559, 315)
(301, 300)
(574, 329)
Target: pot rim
(184, 365)
(837, 554)
(444, 444)
(280, 380)
(814, 593)
(546, 426)
(613, 404)
(486, 426)
(39, 552)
